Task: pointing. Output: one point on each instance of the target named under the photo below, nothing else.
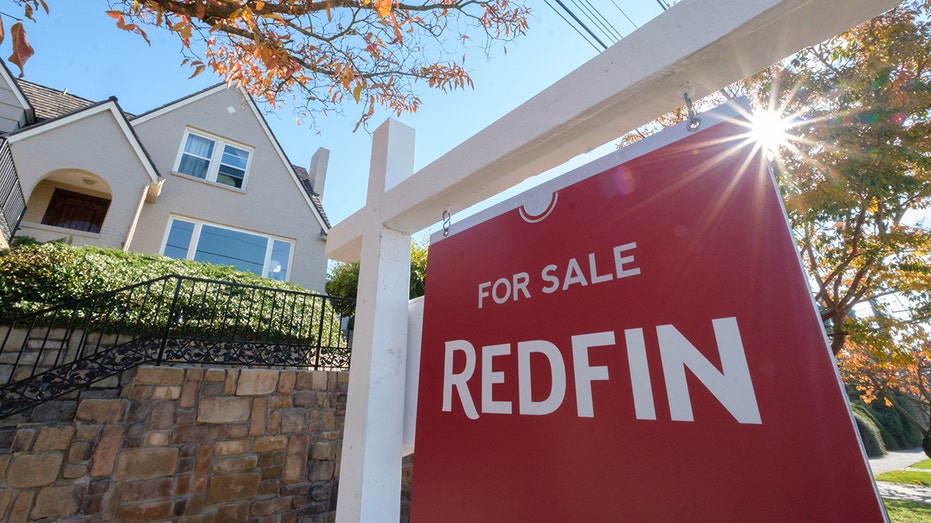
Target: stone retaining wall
(28, 352)
(183, 445)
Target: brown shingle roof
(51, 103)
(304, 177)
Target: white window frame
(195, 239)
(213, 167)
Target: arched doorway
(70, 199)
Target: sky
(79, 48)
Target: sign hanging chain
(694, 120)
(447, 220)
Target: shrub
(34, 277)
(911, 435)
(865, 411)
(904, 435)
(898, 433)
(869, 434)
(38, 276)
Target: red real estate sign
(643, 348)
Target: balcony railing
(12, 201)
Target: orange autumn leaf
(197, 70)
(133, 28)
(311, 50)
(383, 7)
(22, 51)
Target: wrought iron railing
(12, 201)
(173, 319)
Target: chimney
(317, 171)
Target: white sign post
(706, 44)
(371, 457)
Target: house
(201, 178)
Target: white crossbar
(708, 44)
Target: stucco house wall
(69, 156)
(11, 112)
(270, 202)
(14, 108)
(63, 142)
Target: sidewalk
(896, 460)
(900, 460)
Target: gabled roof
(184, 100)
(7, 76)
(310, 197)
(304, 177)
(51, 103)
(119, 117)
(54, 107)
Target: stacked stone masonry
(183, 445)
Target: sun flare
(769, 128)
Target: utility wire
(599, 20)
(581, 24)
(573, 26)
(591, 23)
(625, 15)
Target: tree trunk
(926, 442)
(838, 336)
(837, 341)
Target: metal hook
(694, 120)
(447, 220)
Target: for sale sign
(634, 342)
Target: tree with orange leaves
(855, 179)
(857, 173)
(321, 53)
(854, 168)
(854, 171)
(902, 370)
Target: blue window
(255, 253)
(195, 159)
(281, 253)
(232, 170)
(179, 239)
(213, 159)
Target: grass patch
(906, 477)
(926, 464)
(907, 511)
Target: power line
(598, 19)
(581, 24)
(625, 15)
(588, 19)
(573, 26)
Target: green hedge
(34, 277)
(862, 410)
(38, 276)
(896, 431)
(869, 434)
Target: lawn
(907, 511)
(906, 477)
